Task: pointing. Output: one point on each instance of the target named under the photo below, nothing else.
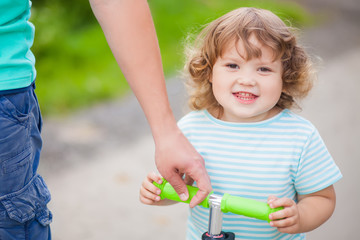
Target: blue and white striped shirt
(282, 156)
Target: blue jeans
(23, 193)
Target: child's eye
(232, 66)
(264, 69)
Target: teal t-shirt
(17, 62)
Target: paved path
(94, 161)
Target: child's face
(247, 90)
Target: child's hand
(149, 193)
(286, 220)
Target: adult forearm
(130, 33)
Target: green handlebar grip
(247, 207)
(237, 205)
(167, 191)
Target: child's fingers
(147, 196)
(282, 214)
(282, 223)
(146, 200)
(149, 186)
(271, 198)
(149, 193)
(281, 202)
(153, 177)
(288, 211)
(285, 220)
(287, 225)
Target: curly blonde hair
(240, 24)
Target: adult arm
(130, 33)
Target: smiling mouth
(245, 97)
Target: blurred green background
(75, 67)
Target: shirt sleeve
(317, 169)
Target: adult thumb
(179, 186)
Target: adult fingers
(188, 180)
(202, 179)
(179, 185)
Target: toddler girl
(246, 73)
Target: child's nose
(248, 80)
(246, 76)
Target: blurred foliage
(75, 67)
(176, 20)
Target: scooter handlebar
(247, 207)
(237, 205)
(168, 192)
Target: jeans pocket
(15, 143)
(14, 130)
(16, 106)
(15, 171)
(44, 217)
(29, 203)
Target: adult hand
(174, 157)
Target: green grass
(76, 68)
